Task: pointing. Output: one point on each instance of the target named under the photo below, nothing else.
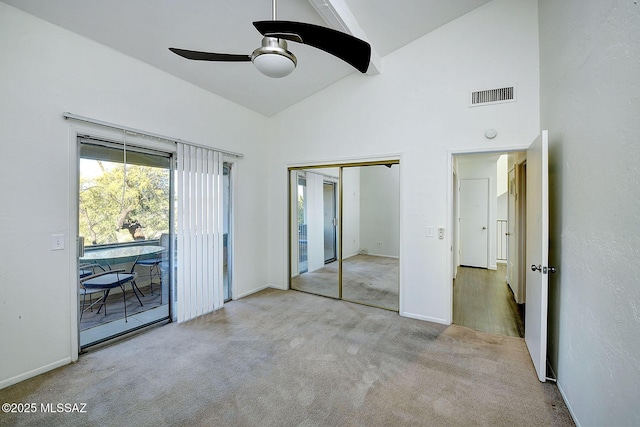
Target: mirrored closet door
(345, 231)
(314, 243)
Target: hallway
(483, 301)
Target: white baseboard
(383, 256)
(34, 372)
(566, 402)
(253, 291)
(425, 318)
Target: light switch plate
(429, 231)
(57, 242)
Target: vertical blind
(199, 231)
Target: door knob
(543, 270)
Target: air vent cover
(493, 96)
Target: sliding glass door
(228, 238)
(330, 221)
(300, 195)
(345, 230)
(124, 221)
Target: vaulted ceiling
(145, 29)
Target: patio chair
(155, 264)
(104, 281)
(86, 270)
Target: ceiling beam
(338, 16)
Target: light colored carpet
(286, 358)
(366, 279)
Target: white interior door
(474, 222)
(537, 253)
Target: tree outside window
(119, 206)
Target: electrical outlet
(441, 233)
(57, 242)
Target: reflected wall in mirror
(345, 232)
(371, 235)
(314, 236)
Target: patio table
(121, 252)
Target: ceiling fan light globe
(273, 59)
(274, 65)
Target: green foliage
(104, 211)
(300, 210)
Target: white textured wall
(590, 102)
(417, 108)
(45, 71)
(379, 210)
(502, 183)
(350, 211)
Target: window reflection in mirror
(314, 236)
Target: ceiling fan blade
(350, 49)
(210, 56)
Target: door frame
(77, 129)
(451, 209)
(512, 223)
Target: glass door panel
(227, 239)
(124, 222)
(301, 199)
(330, 221)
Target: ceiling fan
(273, 59)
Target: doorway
(485, 296)
(344, 232)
